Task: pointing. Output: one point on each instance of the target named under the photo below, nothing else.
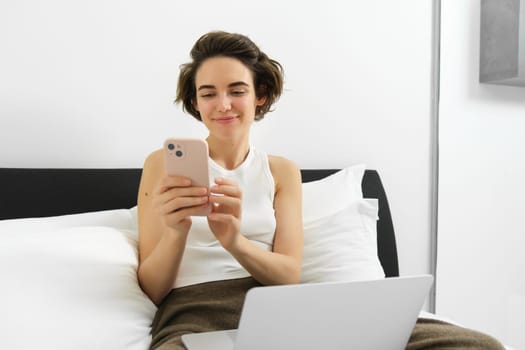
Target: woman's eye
(238, 92)
(207, 95)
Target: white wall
(91, 83)
(480, 276)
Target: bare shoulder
(152, 171)
(284, 171)
(154, 160)
(281, 164)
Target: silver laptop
(378, 314)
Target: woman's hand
(175, 200)
(225, 217)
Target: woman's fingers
(180, 215)
(176, 192)
(226, 187)
(226, 197)
(176, 200)
(180, 203)
(226, 201)
(168, 182)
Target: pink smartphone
(188, 158)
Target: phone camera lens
(178, 153)
(171, 146)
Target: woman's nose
(224, 103)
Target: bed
(68, 251)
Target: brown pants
(200, 308)
(433, 334)
(217, 305)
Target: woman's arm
(164, 206)
(283, 264)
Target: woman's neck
(228, 153)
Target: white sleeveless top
(204, 258)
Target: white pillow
(332, 193)
(118, 218)
(340, 235)
(72, 287)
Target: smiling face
(226, 98)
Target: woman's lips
(225, 120)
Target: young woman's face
(226, 97)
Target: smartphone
(188, 158)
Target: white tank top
(204, 258)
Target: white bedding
(69, 282)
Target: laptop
(377, 314)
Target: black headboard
(26, 192)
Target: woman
(198, 269)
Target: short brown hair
(267, 73)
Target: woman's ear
(261, 95)
(261, 100)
